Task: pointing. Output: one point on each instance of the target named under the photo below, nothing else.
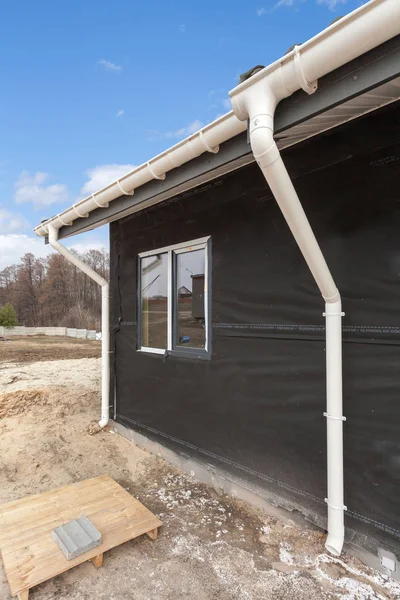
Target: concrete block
(76, 537)
(388, 559)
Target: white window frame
(198, 244)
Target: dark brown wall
(257, 406)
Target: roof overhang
(359, 87)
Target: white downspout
(334, 427)
(105, 329)
(258, 103)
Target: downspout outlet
(334, 545)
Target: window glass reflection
(190, 299)
(154, 292)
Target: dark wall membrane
(257, 406)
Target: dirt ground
(210, 546)
(41, 347)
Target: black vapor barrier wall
(257, 406)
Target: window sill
(187, 353)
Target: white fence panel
(19, 330)
(61, 331)
(50, 331)
(89, 334)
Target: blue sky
(91, 88)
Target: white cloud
(212, 93)
(11, 222)
(182, 28)
(331, 4)
(31, 188)
(120, 113)
(109, 66)
(295, 3)
(218, 101)
(82, 247)
(102, 175)
(155, 134)
(284, 3)
(14, 246)
(191, 128)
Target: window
(154, 286)
(174, 302)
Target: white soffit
(352, 109)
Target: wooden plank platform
(29, 554)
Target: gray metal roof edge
(353, 79)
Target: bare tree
(52, 291)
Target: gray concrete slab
(76, 537)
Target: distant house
(183, 292)
(239, 385)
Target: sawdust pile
(20, 401)
(53, 387)
(59, 400)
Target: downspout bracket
(213, 150)
(334, 418)
(335, 507)
(305, 85)
(124, 191)
(106, 205)
(154, 174)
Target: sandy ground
(210, 547)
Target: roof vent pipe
(105, 329)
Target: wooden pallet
(29, 554)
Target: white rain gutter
(205, 140)
(105, 329)
(256, 99)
